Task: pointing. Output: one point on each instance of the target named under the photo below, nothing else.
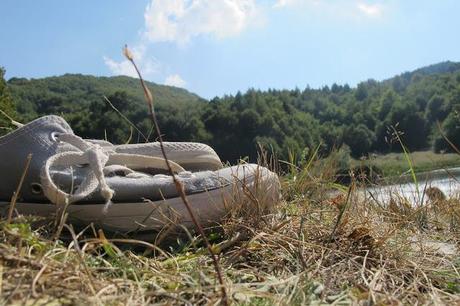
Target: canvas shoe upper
(36, 138)
(192, 156)
(66, 169)
(55, 148)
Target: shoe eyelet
(54, 136)
(36, 188)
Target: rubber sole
(261, 189)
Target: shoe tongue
(53, 121)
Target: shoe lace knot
(100, 161)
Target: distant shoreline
(393, 167)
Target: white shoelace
(102, 161)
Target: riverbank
(396, 164)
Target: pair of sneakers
(123, 188)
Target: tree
(436, 109)
(451, 128)
(361, 92)
(6, 104)
(359, 139)
(411, 123)
(387, 101)
(332, 136)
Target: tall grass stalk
(407, 158)
(132, 125)
(18, 190)
(177, 183)
(447, 139)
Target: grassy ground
(313, 249)
(395, 164)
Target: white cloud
(181, 20)
(147, 65)
(175, 80)
(283, 3)
(120, 68)
(306, 3)
(371, 10)
(348, 9)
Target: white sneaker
(115, 187)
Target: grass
(316, 247)
(395, 164)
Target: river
(447, 180)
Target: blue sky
(217, 47)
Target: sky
(218, 47)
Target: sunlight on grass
(316, 247)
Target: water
(447, 180)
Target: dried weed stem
(177, 183)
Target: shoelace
(102, 161)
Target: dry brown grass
(316, 247)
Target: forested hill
(80, 100)
(443, 67)
(282, 120)
(84, 88)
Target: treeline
(288, 122)
(6, 104)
